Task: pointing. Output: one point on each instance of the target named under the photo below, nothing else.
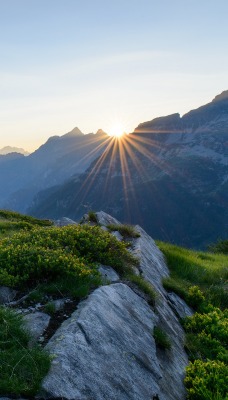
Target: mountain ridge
(179, 174)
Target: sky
(97, 63)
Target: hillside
(54, 162)
(170, 175)
(99, 299)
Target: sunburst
(116, 130)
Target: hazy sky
(93, 63)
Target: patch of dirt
(58, 317)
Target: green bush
(203, 346)
(214, 323)
(206, 380)
(195, 297)
(220, 247)
(41, 255)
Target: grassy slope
(201, 279)
(207, 270)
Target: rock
(59, 304)
(106, 219)
(36, 323)
(154, 269)
(7, 294)
(108, 273)
(117, 235)
(64, 222)
(152, 262)
(106, 350)
(179, 306)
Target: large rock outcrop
(106, 349)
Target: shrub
(206, 380)
(220, 247)
(214, 323)
(161, 338)
(41, 255)
(195, 297)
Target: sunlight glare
(117, 130)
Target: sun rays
(125, 159)
(116, 130)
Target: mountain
(54, 162)
(8, 149)
(170, 175)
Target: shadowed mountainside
(170, 175)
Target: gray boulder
(179, 306)
(106, 219)
(36, 323)
(7, 294)
(106, 350)
(153, 268)
(64, 222)
(108, 273)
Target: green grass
(188, 268)
(127, 231)
(22, 368)
(161, 338)
(144, 286)
(11, 222)
(201, 279)
(92, 217)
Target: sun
(116, 130)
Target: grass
(201, 279)
(144, 286)
(11, 222)
(161, 338)
(92, 217)
(21, 368)
(206, 270)
(127, 231)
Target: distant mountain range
(8, 149)
(61, 157)
(170, 175)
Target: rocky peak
(75, 132)
(221, 97)
(101, 132)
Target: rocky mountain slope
(170, 175)
(54, 162)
